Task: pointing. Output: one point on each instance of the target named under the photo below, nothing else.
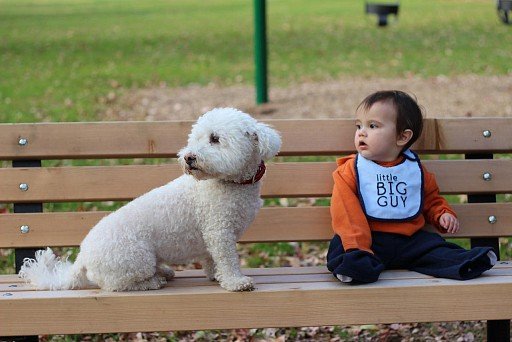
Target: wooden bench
(291, 296)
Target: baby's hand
(449, 222)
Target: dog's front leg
(221, 244)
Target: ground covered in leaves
(394, 332)
(441, 96)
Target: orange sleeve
(435, 205)
(348, 219)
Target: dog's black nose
(189, 159)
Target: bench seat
(284, 296)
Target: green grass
(60, 60)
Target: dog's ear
(268, 140)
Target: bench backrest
(474, 173)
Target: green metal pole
(260, 50)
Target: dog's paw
(210, 274)
(165, 271)
(238, 284)
(154, 283)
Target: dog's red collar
(259, 174)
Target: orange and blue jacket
(350, 222)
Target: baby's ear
(268, 139)
(404, 137)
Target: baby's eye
(214, 139)
(358, 126)
(373, 125)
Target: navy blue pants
(423, 252)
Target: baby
(382, 198)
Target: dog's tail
(49, 272)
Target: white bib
(390, 193)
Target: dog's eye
(214, 139)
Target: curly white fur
(197, 217)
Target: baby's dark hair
(409, 113)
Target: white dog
(197, 217)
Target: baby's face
(376, 137)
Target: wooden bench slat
(271, 224)
(61, 184)
(270, 305)
(398, 280)
(182, 282)
(84, 183)
(165, 139)
(273, 275)
(196, 273)
(203, 281)
(93, 139)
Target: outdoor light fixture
(382, 10)
(504, 9)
